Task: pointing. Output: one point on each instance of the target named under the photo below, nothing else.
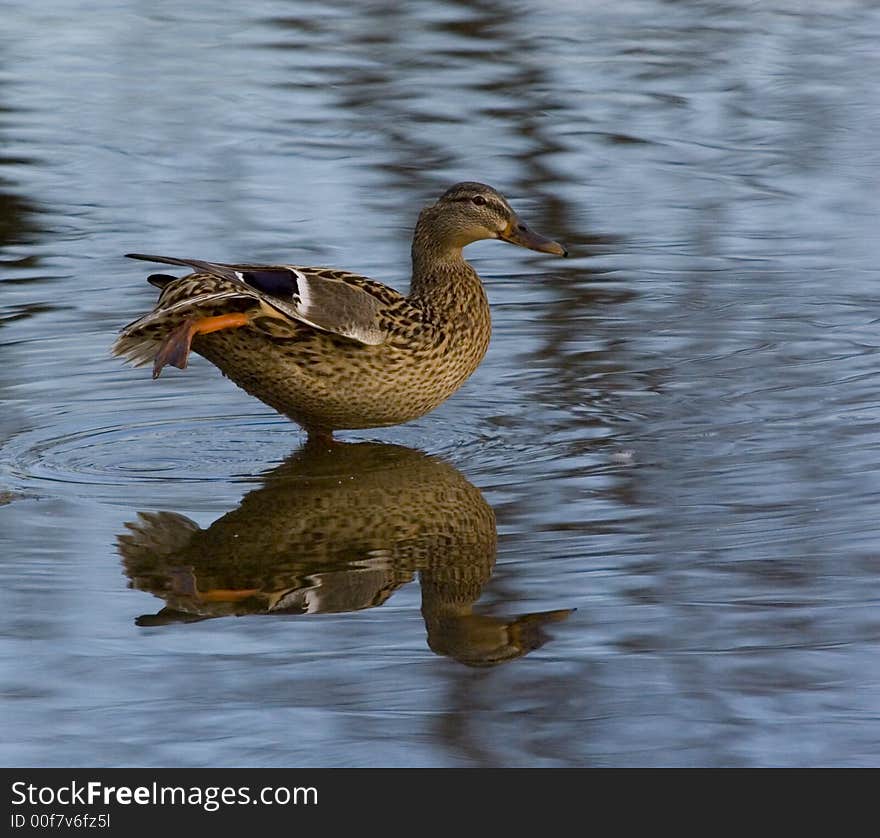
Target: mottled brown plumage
(331, 349)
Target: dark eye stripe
(489, 203)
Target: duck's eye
(479, 200)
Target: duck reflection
(339, 529)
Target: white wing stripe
(305, 295)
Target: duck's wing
(334, 301)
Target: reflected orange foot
(224, 595)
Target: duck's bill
(518, 233)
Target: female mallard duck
(331, 349)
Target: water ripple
(183, 450)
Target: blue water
(677, 430)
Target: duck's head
(469, 212)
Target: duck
(330, 349)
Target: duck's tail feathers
(140, 340)
(138, 350)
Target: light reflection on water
(676, 430)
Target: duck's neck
(443, 279)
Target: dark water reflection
(677, 429)
(336, 530)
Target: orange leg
(224, 595)
(318, 439)
(175, 348)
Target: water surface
(675, 432)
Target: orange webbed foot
(176, 346)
